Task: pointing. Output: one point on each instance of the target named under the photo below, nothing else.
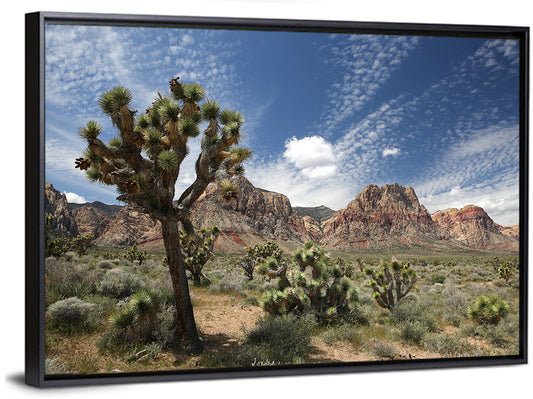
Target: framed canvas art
(218, 197)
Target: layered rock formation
(381, 217)
(254, 217)
(128, 227)
(55, 203)
(472, 226)
(93, 217)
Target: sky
(325, 114)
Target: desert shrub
(105, 265)
(66, 281)
(488, 309)
(383, 350)
(413, 313)
(72, 315)
(454, 299)
(438, 279)
(69, 256)
(230, 283)
(118, 283)
(342, 332)
(166, 324)
(251, 300)
(412, 332)
(358, 314)
(447, 345)
(278, 340)
(55, 366)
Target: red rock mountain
(254, 217)
(472, 226)
(381, 217)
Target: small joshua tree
(81, 244)
(506, 271)
(258, 254)
(327, 292)
(392, 283)
(147, 183)
(133, 253)
(488, 310)
(197, 250)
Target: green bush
(447, 345)
(66, 281)
(412, 332)
(72, 315)
(342, 332)
(105, 265)
(278, 340)
(119, 284)
(488, 309)
(383, 350)
(413, 313)
(438, 279)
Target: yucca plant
(147, 184)
(488, 309)
(392, 283)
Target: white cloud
(320, 172)
(391, 151)
(74, 198)
(309, 152)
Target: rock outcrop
(255, 216)
(55, 203)
(93, 217)
(319, 213)
(128, 227)
(472, 226)
(380, 217)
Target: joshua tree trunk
(187, 332)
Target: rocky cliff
(55, 203)
(255, 216)
(381, 217)
(472, 226)
(93, 217)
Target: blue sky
(325, 114)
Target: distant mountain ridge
(319, 213)
(379, 217)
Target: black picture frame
(35, 152)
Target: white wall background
(492, 382)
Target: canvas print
(246, 199)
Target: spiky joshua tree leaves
(318, 286)
(144, 162)
(392, 283)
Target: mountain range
(385, 217)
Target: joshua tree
(197, 250)
(133, 253)
(144, 161)
(392, 283)
(327, 292)
(258, 254)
